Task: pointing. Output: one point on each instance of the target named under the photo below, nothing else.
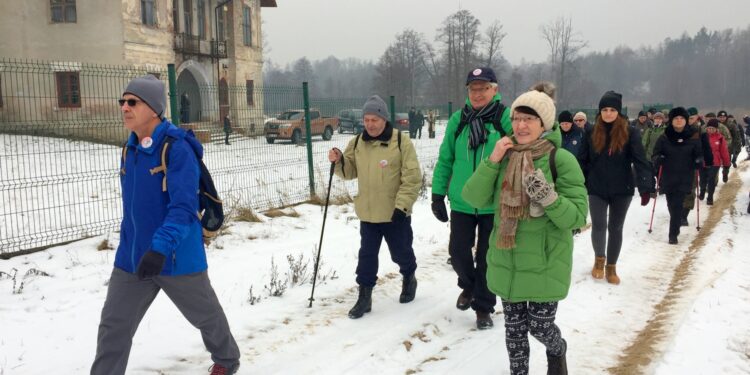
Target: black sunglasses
(131, 102)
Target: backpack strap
(164, 160)
(553, 165)
(124, 155)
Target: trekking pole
(320, 243)
(697, 202)
(658, 180)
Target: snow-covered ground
(680, 309)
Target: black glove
(151, 265)
(398, 216)
(725, 174)
(658, 162)
(438, 207)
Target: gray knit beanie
(151, 90)
(376, 106)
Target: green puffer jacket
(456, 161)
(538, 269)
(387, 178)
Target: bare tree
(460, 38)
(564, 45)
(493, 38)
(401, 69)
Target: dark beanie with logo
(611, 99)
(151, 91)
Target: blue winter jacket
(166, 222)
(572, 139)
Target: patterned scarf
(476, 120)
(514, 202)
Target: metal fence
(61, 133)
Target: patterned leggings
(537, 318)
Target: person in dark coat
(580, 120)
(412, 122)
(227, 129)
(184, 108)
(572, 136)
(689, 203)
(420, 123)
(642, 122)
(608, 156)
(679, 155)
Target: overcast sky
(364, 29)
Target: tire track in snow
(648, 343)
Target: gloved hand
(725, 174)
(438, 207)
(538, 189)
(398, 216)
(645, 197)
(151, 265)
(658, 162)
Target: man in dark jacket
(412, 122)
(689, 203)
(469, 139)
(642, 122)
(572, 136)
(161, 238)
(227, 129)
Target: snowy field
(679, 310)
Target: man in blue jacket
(161, 239)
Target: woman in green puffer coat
(530, 258)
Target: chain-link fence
(61, 134)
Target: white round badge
(383, 163)
(147, 142)
(477, 72)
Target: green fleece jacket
(538, 269)
(456, 161)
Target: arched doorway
(188, 92)
(223, 99)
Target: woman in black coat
(609, 154)
(678, 155)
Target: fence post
(393, 110)
(308, 139)
(174, 113)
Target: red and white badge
(477, 72)
(147, 142)
(383, 163)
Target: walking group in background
(520, 182)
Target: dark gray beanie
(376, 106)
(151, 90)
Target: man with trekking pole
(385, 164)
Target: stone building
(96, 46)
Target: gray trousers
(127, 301)
(603, 223)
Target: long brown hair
(618, 136)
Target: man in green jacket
(385, 165)
(469, 139)
(653, 133)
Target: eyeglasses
(480, 90)
(527, 119)
(579, 120)
(131, 102)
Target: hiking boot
(612, 277)
(558, 365)
(364, 303)
(217, 369)
(702, 194)
(673, 240)
(464, 300)
(710, 200)
(598, 271)
(484, 320)
(734, 164)
(449, 261)
(408, 289)
(684, 220)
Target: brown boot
(612, 277)
(598, 271)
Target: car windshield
(291, 115)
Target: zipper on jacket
(474, 169)
(512, 273)
(132, 214)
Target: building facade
(216, 46)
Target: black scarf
(385, 136)
(680, 138)
(476, 120)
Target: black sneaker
(673, 240)
(702, 195)
(464, 300)
(710, 200)
(484, 320)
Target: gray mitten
(539, 190)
